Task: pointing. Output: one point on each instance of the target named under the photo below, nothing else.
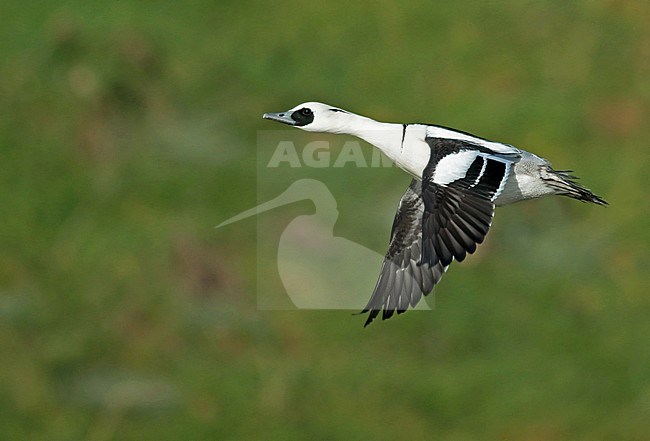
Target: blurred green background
(128, 131)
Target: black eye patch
(303, 116)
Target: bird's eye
(305, 111)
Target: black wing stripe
(490, 182)
(474, 172)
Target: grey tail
(564, 184)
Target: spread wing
(403, 280)
(440, 219)
(459, 186)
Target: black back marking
(403, 135)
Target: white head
(315, 117)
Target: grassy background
(128, 130)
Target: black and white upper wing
(403, 280)
(459, 187)
(442, 218)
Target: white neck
(385, 136)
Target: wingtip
(372, 314)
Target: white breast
(414, 152)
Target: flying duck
(447, 209)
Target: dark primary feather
(454, 222)
(402, 280)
